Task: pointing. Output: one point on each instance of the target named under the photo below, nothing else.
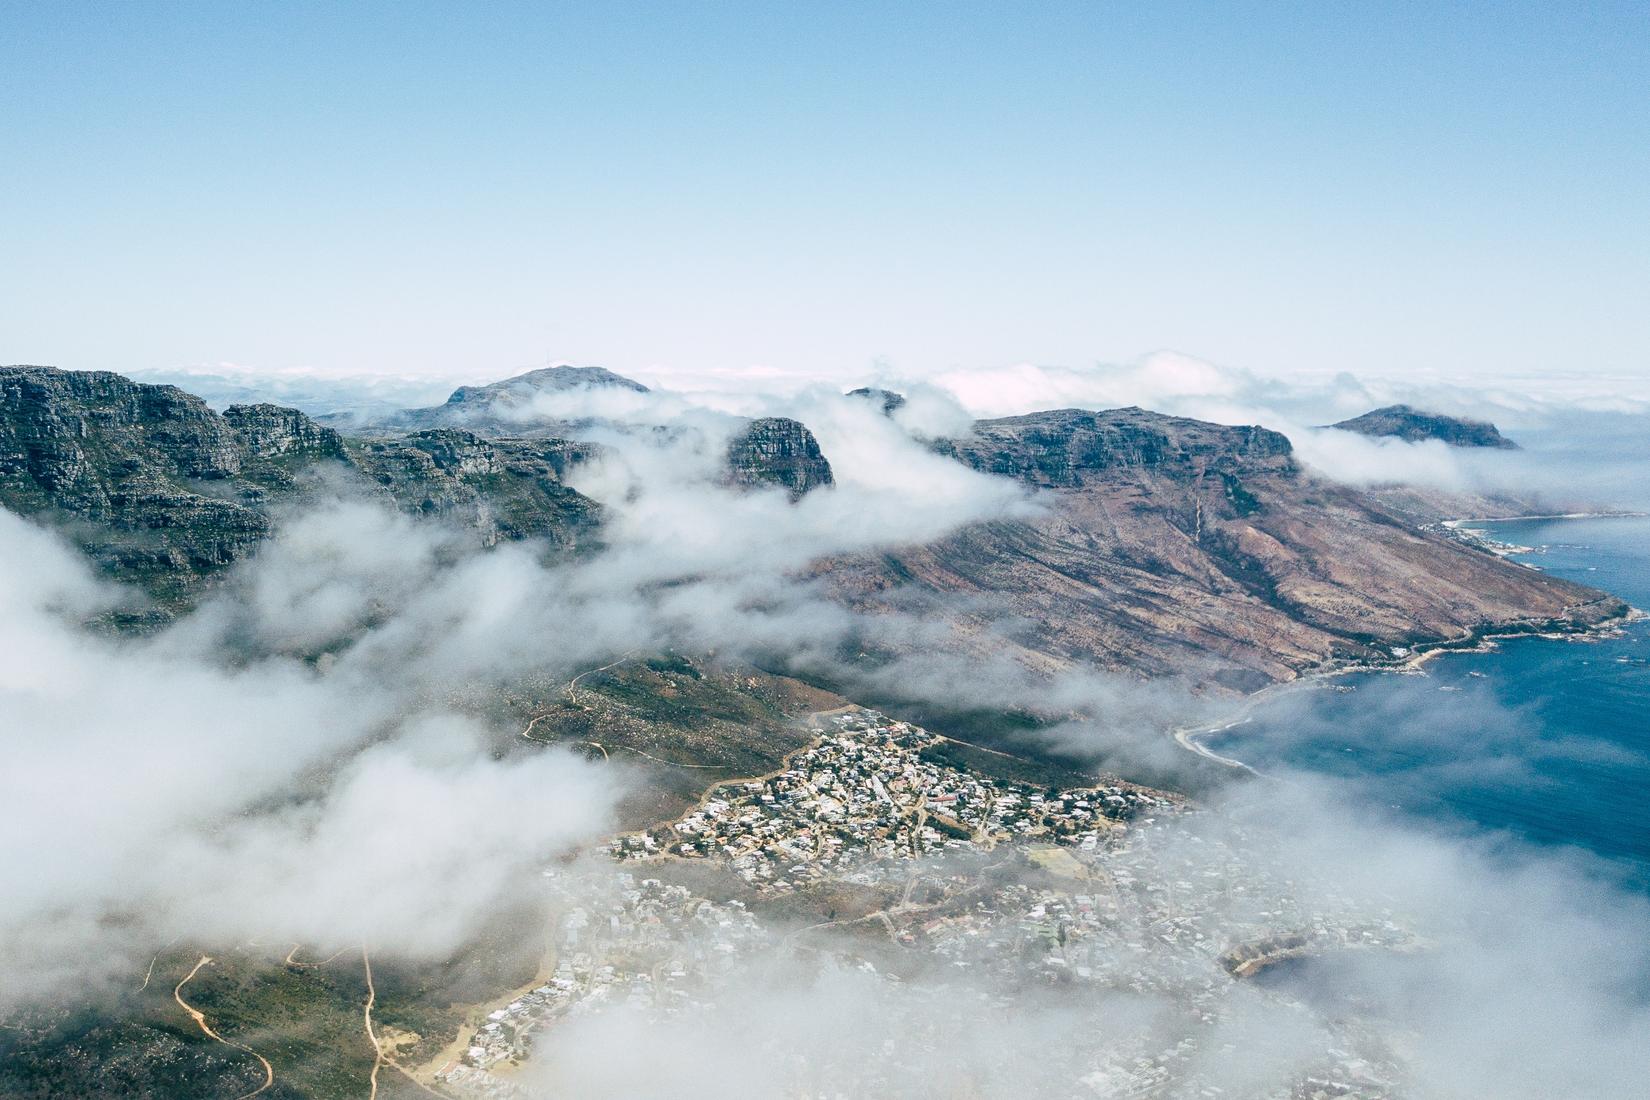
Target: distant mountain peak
(888, 399)
(503, 408)
(1415, 425)
(543, 380)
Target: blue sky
(1443, 190)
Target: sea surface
(1541, 740)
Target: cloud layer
(304, 757)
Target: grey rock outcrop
(776, 450)
(1067, 448)
(272, 431)
(163, 492)
(503, 489)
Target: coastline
(1191, 738)
(1453, 523)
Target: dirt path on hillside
(200, 1019)
(366, 1016)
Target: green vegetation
(305, 1017)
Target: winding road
(366, 1015)
(379, 1058)
(200, 1019)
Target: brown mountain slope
(1172, 545)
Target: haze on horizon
(434, 189)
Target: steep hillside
(1174, 546)
(161, 491)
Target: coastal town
(865, 793)
(1008, 887)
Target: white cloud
(213, 782)
(154, 790)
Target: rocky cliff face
(160, 489)
(1069, 448)
(57, 425)
(163, 492)
(1414, 425)
(1177, 547)
(272, 432)
(775, 450)
(502, 489)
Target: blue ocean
(1543, 741)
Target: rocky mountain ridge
(162, 491)
(1069, 448)
(1167, 546)
(768, 451)
(1172, 546)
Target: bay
(1543, 741)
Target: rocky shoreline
(1191, 738)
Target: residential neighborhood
(1114, 889)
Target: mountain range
(1165, 546)
(1151, 546)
